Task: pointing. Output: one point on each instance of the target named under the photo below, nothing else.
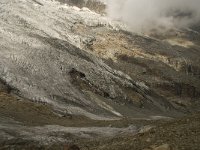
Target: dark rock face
(71, 147)
(169, 70)
(6, 87)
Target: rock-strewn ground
(179, 134)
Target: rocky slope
(48, 55)
(66, 62)
(173, 135)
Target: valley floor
(178, 134)
(173, 134)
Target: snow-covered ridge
(54, 53)
(36, 56)
(54, 18)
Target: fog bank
(145, 15)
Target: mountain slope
(41, 58)
(63, 66)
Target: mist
(146, 15)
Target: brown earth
(37, 114)
(178, 134)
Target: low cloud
(145, 15)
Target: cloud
(145, 15)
